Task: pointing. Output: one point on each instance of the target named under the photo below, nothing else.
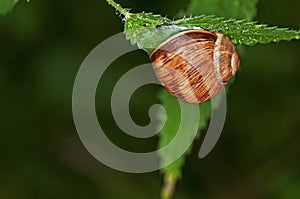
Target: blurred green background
(43, 43)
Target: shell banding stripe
(189, 64)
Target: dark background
(43, 43)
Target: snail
(194, 65)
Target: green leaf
(148, 30)
(170, 130)
(7, 5)
(240, 9)
(241, 31)
(142, 29)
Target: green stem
(118, 7)
(168, 187)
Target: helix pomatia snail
(194, 65)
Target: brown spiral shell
(194, 65)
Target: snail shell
(194, 65)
